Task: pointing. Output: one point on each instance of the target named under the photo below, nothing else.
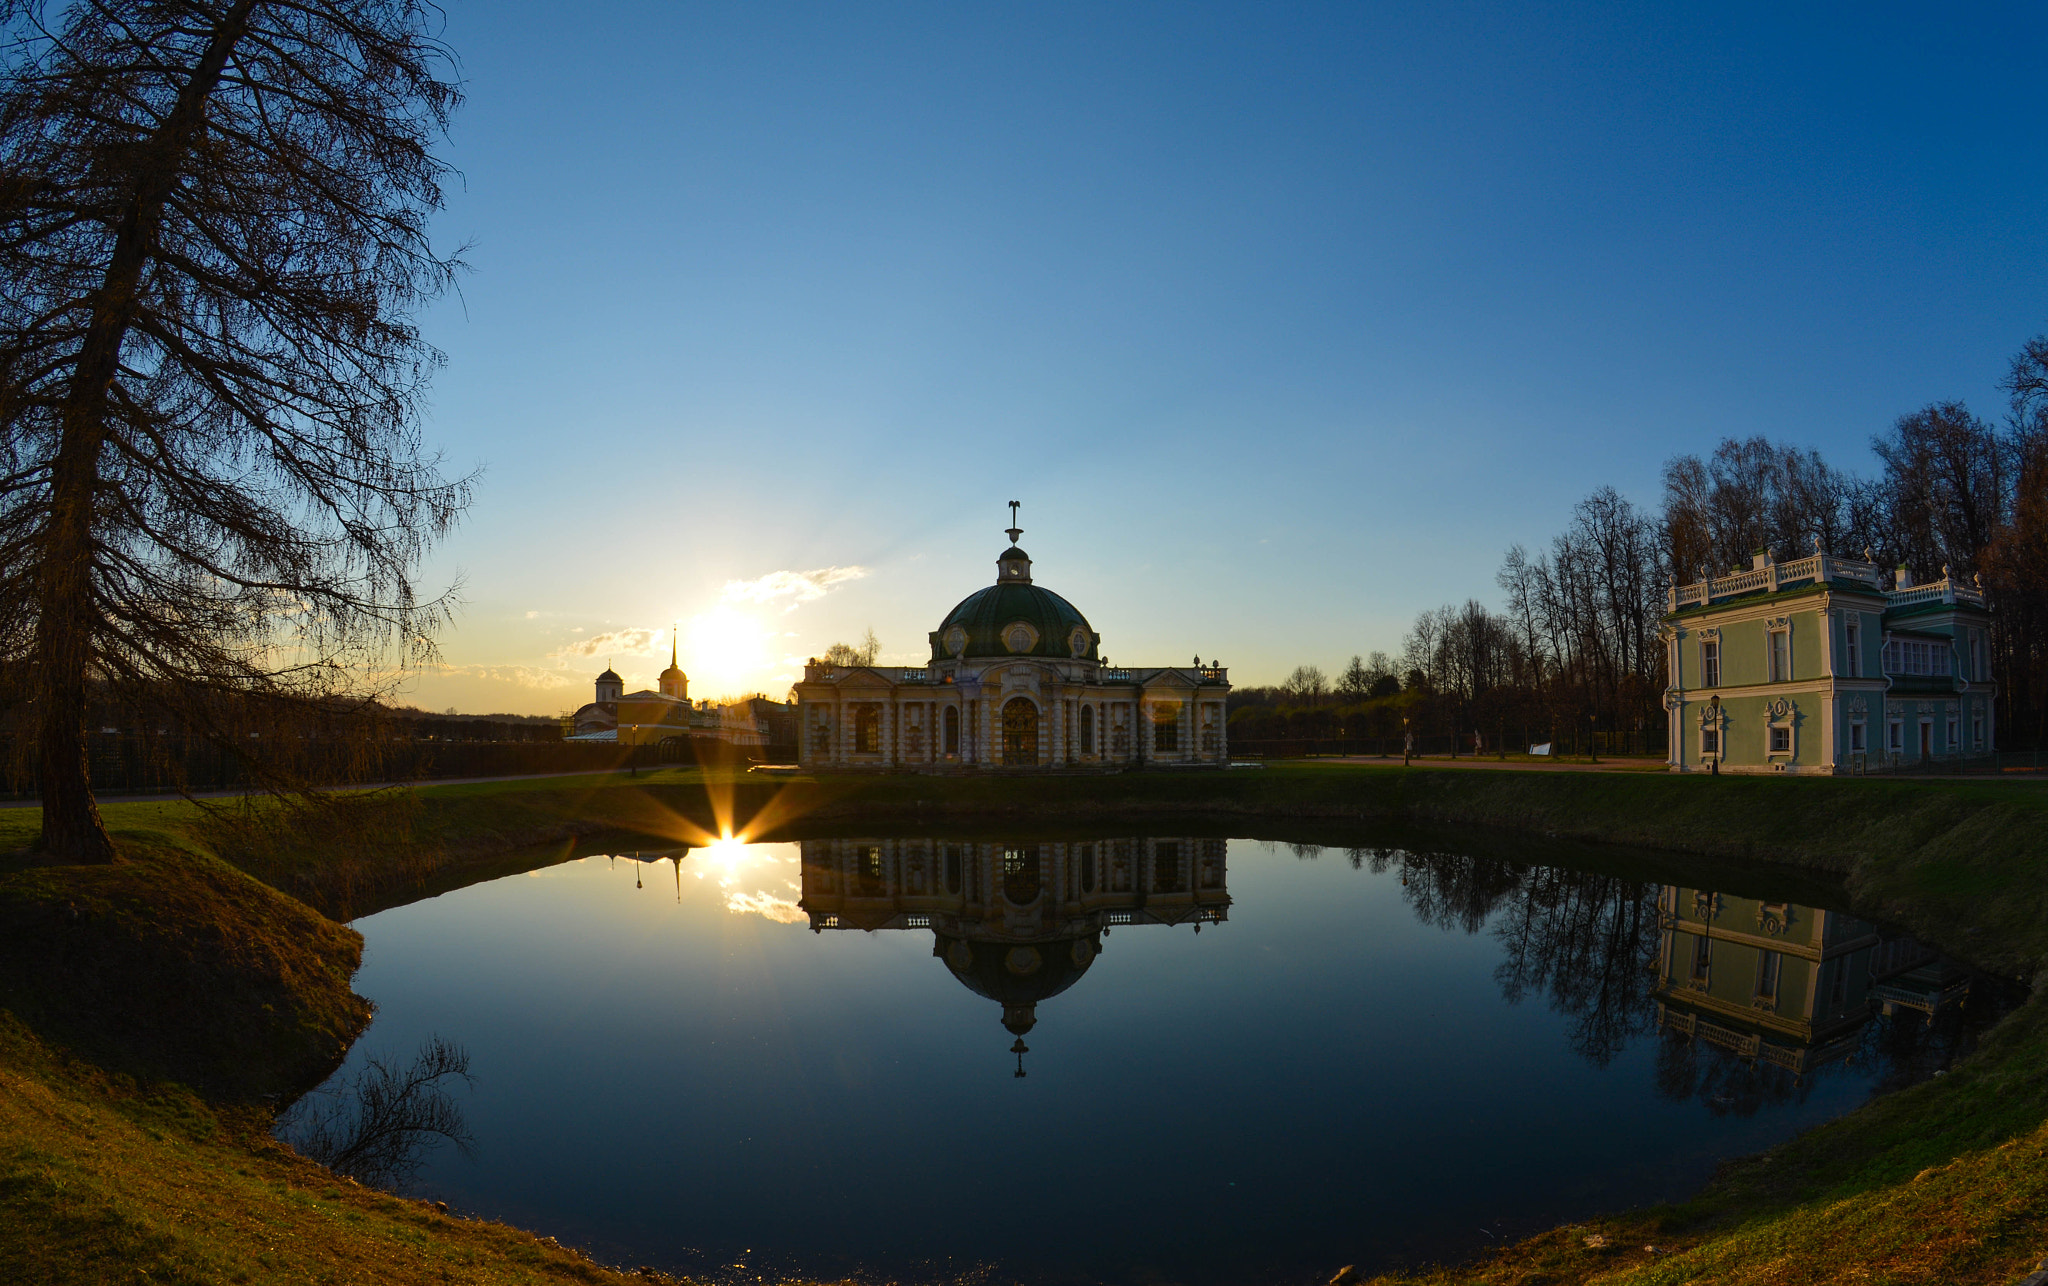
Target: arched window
(1087, 730)
(867, 729)
(1166, 867)
(1020, 875)
(1020, 732)
(867, 870)
(1165, 729)
(953, 730)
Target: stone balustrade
(1772, 575)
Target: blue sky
(1283, 322)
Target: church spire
(674, 683)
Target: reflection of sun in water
(754, 877)
(723, 857)
(726, 651)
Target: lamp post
(1714, 719)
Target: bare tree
(1945, 475)
(863, 653)
(1307, 685)
(2016, 564)
(380, 1127)
(1355, 684)
(213, 226)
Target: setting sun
(726, 652)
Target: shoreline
(1956, 862)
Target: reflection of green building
(1017, 923)
(1826, 665)
(1785, 983)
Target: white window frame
(1710, 663)
(1710, 742)
(1852, 647)
(1769, 970)
(1772, 635)
(1896, 736)
(1977, 729)
(1859, 737)
(1788, 725)
(1955, 734)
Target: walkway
(171, 796)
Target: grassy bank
(110, 1168)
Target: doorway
(1926, 742)
(1020, 733)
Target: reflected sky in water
(1369, 1055)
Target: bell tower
(674, 683)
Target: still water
(1125, 1058)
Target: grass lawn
(150, 1007)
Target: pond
(1126, 1058)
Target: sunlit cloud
(613, 643)
(797, 587)
(780, 910)
(525, 676)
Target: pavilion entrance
(1020, 733)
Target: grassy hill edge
(1936, 1183)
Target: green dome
(985, 617)
(1018, 975)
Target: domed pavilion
(1016, 683)
(1015, 922)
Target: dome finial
(1013, 530)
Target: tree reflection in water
(1793, 993)
(1581, 939)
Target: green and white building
(1826, 665)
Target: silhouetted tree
(863, 653)
(380, 1126)
(1306, 685)
(213, 228)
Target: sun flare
(726, 652)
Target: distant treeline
(153, 737)
(1572, 653)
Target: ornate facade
(1787, 984)
(665, 715)
(1826, 665)
(1016, 682)
(1017, 923)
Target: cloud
(797, 587)
(613, 643)
(780, 910)
(525, 676)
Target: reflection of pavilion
(1017, 923)
(1784, 983)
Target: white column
(1829, 709)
